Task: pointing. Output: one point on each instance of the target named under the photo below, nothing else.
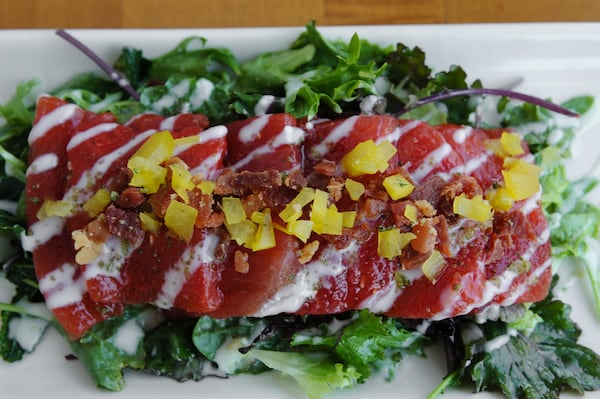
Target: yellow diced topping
(410, 212)
(333, 222)
(300, 228)
(475, 208)
(511, 144)
(391, 242)
(433, 266)
(500, 199)
(368, 158)
(398, 186)
(348, 219)
(354, 188)
(188, 140)
(54, 208)
(293, 210)
(233, 210)
(149, 223)
(180, 219)
(319, 210)
(181, 181)
(242, 232)
(147, 175)
(96, 204)
(206, 186)
(521, 178)
(265, 233)
(158, 148)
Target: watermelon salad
(324, 211)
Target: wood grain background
(242, 13)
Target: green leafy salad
(526, 351)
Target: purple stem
(109, 70)
(446, 94)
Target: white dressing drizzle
(90, 133)
(52, 119)
(431, 161)
(252, 130)
(192, 258)
(61, 288)
(128, 337)
(41, 232)
(202, 91)
(263, 104)
(42, 163)
(289, 298)
(339, 132)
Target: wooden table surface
(241, 13)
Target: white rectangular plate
(553, 60)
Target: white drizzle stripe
(382, 300)
(466, 168)
(460, 135)
(80, 191)
(251, 131)
(42, 163)
(41, 232)
(398, 132)
(339, 132)
(169, 123)
(190, 261)
(214, 133)
(90, 133)
(52, 119)
(208, 167)
(110, 261)
(60, 287)
(307, 282)
(431, 161)
(290, 135)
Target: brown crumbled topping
(336, 188)
(326, 168)
(240, 260)
(426, 208)
(306, 253)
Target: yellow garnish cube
(158, 148)
(368, 158)
(333, 222)
(391, 242)
(206, 186)
(348, 219)
(54, 208)
(293, 210)
(180, 219)
(242, 232)
(500, 199)
(147, 175)
(318, 210)
(265, 233)
(433, 266)
(522, 179)
(475, 208)
(410, 212)
(149, 223)
(398, 186)
(187, 141)
(355, 189)
(300, 228)
(96, 204)
(233, 210)
(511, 144)
(181, 181)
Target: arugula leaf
(10, 350)
(107, 348)
(316, 374)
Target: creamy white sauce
(252, 130)
(499, 341)
(202, 91)
(208, 168)
(290, 135)
(289, 298)
(263, 104)
(90, 133)
(61, 288)
(192, 258)
(368, 104)
(56, 117)
(338, 133)
(27, 331)
(395, 135)
(382, 300)
(214, 133)
(128, 337)
(42, 163)
(168, 123)
(166, 101)
(532, 203)
(460, 135)
(7, 289)
(9, 206)
(431, 161)
(466, 168)
(115, 253)
(41, 232)
(81, 192)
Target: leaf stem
(448, 381)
